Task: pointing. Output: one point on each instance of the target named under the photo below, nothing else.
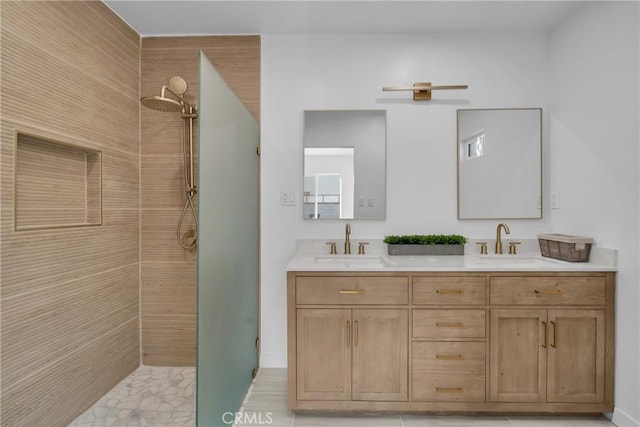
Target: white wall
(590, 143)
(312, 72)
(593, 118)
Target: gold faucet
(347, 242)
(499, 237)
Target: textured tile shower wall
(168, 272)
(69, 296)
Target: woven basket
(565, 247)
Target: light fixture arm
(422, 91)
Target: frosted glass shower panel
(227, 250)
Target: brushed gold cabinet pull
(356, 332)
(449, 390)
(449, 291)
(545, 334)
(449, 356)
(352, 291)
(348, 333)
(449, 324)
(555, 328)
(549, 291)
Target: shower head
(160, 103)
(178, 85)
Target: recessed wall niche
(57, 184)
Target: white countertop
(313, 255)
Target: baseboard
(622, 419)
(273, 360)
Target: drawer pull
(449, 390)
(352, 291)
(449, 324)
(449, 291)
(449, 356)
(549, 292)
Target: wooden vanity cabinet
(346, 354)
(451, 341)
(355, 353)
(548, 355)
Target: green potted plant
(430, 244)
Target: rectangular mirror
(500, 163)
(345, 164)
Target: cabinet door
(380, 346)
(323, 354)
(518, 368)
(576, 356)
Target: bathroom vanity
(450, 334)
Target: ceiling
(216, 17)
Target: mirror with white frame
(344, 164)
(500, 163)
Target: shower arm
(188, 116)
(183, 101)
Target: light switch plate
(555, 200)
(288, 198)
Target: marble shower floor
(165, 396)
(150, 396)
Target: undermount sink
(512, 260)
(349, 260)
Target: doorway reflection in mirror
(329, 182)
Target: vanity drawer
(584, 290)
(448, 323)
(449, 290)
(448, 371)
(350, 290)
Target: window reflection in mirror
(344, 164)
(500, 163)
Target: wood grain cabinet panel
(449, 290)
(448, 371)
(547, 355)
(352, 290)
(575, 356)
(524, 290)
(324, 354)
(380, 346)
(346, 354)
(448, 323)
(518, 355)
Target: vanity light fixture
(422, 91)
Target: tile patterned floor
(150, 396)
(267, 402)
(158, 396)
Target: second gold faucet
(499, 237)
(347, 242)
